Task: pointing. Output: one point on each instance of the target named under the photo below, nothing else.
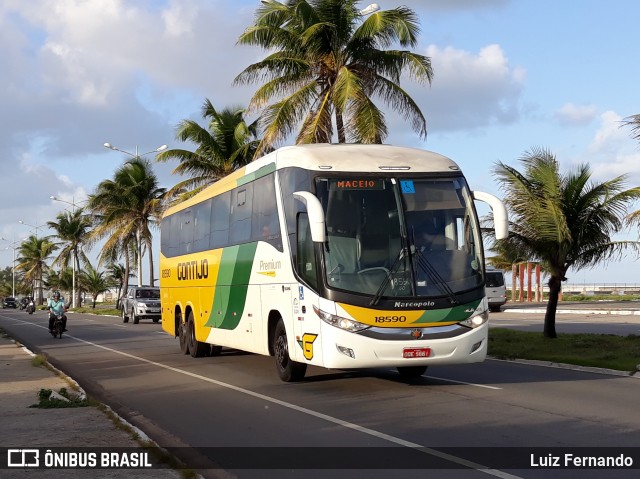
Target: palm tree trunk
(151, 275)
(139, 252)
(125, 281)
(340, 127)
(555, 286)
(76, 260)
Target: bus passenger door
(306, 325)
(303, 298)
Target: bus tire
(411, 371)
(183, 337)
(288, 370)
(197, 349)
(215, 350)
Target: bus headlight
(475, 320)
(339, 322)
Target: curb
(586, 369)
(83, 395)
(617, 312)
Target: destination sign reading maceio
(357, 184)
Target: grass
(98, 310)
(568, 297)
(607, 351)
(600, 297)
(46, 401)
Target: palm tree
(224, 145)
(327, 64)
(95, 282)
(72, 228)
(634, 122)
(563, 221)
(114, 249)
(6, 281)
(118, 275)
(128, 207)
(34, 254)
(61, 280)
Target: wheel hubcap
(282, 353)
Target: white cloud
(576, 115)
(613, 152)
(471, 90)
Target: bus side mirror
(500, 216)
(315, 213)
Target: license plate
(416, 352)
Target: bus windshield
(400, 237)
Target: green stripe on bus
(232, 286)
(454, 314)
(259, 173)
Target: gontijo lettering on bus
(193, 270)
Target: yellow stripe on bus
(394, 318)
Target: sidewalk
(26, 427)
(630, 308)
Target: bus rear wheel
(412, 371)
(197, 349)
(288, 370)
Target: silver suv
(141, 302)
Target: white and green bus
(339, 256)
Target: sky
(509, 76)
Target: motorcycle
(31, 307)
(58, 326)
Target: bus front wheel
(288, 370)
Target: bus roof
(331, 158)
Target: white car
(495, 289)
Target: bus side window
(220, 212)
(305, 259)
(265, 225)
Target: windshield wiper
(387, 279)
(436, 278)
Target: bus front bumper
(346, 350)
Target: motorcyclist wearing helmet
(56, 307)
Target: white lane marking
(316, 414)
(463, 382)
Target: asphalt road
(486, 414)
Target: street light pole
(136, 154)
(369, 9)
(74, 302)
(13, 265)
(39, 279)
(32, 226)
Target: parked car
(9, 302)
(141, 302)
(495, 289)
